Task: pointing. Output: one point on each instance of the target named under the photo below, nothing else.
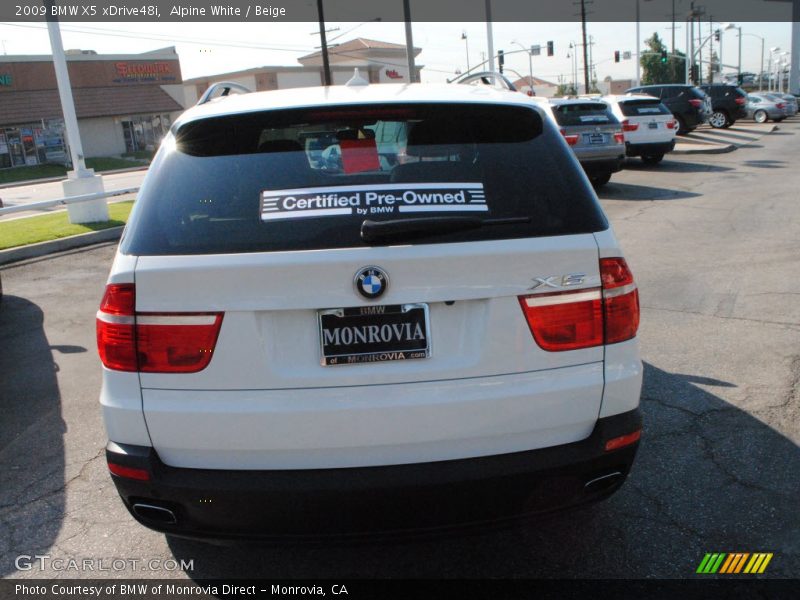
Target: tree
(655, 71)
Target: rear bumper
(594, 166)
(649, 149)
(356, 501)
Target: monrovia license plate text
(374, 334)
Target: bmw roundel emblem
(371, 282)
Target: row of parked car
(644, 121)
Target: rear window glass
(589, 113)
(643, 108)
(307, 179)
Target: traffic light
(740, 78)
(663, 56)
(501, 59)
(550, 48)
(716, 35)
(616, 55)
(695, 72)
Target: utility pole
(489, 38)
(585, 48)
(326, 65)
(672, 48)
(412, 69)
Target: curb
(63, 177)
(12, 255)
(719, 150)
(725, 148)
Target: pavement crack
(789, 324)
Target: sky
(212, 48)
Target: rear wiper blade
(381, 231)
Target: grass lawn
(40, 171)
(43, 228)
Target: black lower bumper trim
(314, 502)
(649, 149)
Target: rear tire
(719, 119)
(600, 180)
(760, 116)
(652, 159)
(682, 130)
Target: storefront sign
(141, 72)
(5, 79)
(393, 74)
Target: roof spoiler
(226, 86)
(492, 78)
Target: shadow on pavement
(629, 191)
(670, 166)
(31, 435)
(765, 164)
(709, 477)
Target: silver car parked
(593, 132)
(791, 103)
(763, 107)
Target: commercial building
(124, 103)
(377, 62)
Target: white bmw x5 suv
(362, 309)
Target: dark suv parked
(727, 104)
(690, 105)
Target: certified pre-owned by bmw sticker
(364, 310)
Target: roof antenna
(356, 79)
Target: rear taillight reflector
(589, 317)
(623, 440)
(571, 139)
(780, 105)
(565, 320)
(619, 137)
(116, 335)
(696, 102)
(176, 343)
(620, 300)
(152, 343)
(740, 100)
(129, 472)
(628, 126)
(671, 124)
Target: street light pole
(638, 43)
(326, 65)
(489, 38)
(466, 45)
(80, 180)
(530, 62)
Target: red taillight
(740, 100)
(176, 343)
(152, 343)
(780, 105)
(571, 139)
(620, 300)
(129, 472)
(565, 320)
(696, 102)
(671, 124)
(116, 335)
(628, 126)
(623, 440)
(619, 137)
(589, 317)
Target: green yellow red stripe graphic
(733, 563)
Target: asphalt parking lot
(713, 242)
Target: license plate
(365, 334)
(596, 138)
(653, 125)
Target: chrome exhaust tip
(154, 514)
(604, 482)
